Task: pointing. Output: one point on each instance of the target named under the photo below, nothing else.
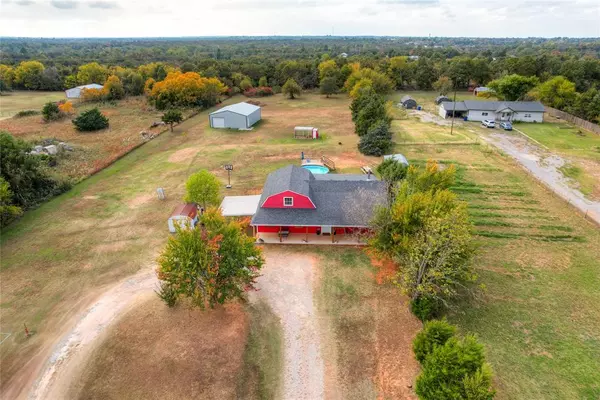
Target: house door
(218, 122)
(326, 229)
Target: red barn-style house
(299, 207)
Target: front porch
(310, 238)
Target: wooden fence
(582, 123)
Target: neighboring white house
(236, 116)
(75, 93)
(474, 110)
(344, 55)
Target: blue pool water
(317, 169)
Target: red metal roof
(185, 210)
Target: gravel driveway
(544, 167)
(287, 282)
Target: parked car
(488, 123)
(507, 126)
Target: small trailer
(306, 132)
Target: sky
(173, 18)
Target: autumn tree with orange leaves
(210, 264)
(186, 90)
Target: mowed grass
(580, 147)
(538, 259)
(21, 100)
(564, 138)
(367, 327)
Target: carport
(240, 206)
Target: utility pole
(453, 111)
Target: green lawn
(564, 138)
(13, 102)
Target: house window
(288, 201)
(484, 114)
(527, 115)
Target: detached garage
(236, 116)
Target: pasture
(21, 100)
(92, 151)
(537, 315)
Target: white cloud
(137, 18)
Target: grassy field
(92, 150)
(21, 100)
(538, 317)
(581, 147)
(368, 329)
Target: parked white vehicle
(488, 123)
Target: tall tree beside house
(172, 117)
(557, 92)
(211, 264)
(392, 172)
(372, 110)
(291, 88)
(513, 87)
(203, 188)
(587, 105)
(377, 141)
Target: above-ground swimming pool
(317, 169)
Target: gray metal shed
(408, 102)
(235, 116)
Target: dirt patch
(163, 353)
(140, 200)
(183, 155)
(74, 347)
(286, 284)
(428, 117)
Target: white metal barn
(236, 116)
(75, 93)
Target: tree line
(433, 69)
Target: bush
(26, 113)
(91, 120)
(456, 370)
(92, 95)
(434, 333)
(261, 91)
(377, 141)
(425, 308)
(51, 112)
(28, 184)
